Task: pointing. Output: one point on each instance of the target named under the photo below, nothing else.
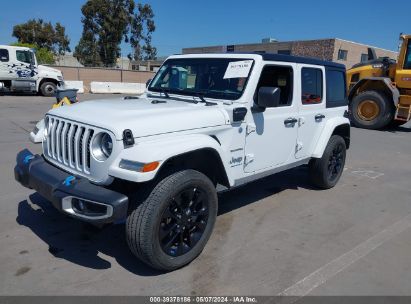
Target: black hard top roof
(298, 59)
(285, 58)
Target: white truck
(19, 72)
(207, 122)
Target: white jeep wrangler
(205, 122)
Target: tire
(48, 89)
(326, 171)
(371, 120)
(167, 208)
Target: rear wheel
(371, 110)
(326, 171)
(48, 89)
(172, 226)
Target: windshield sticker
(238, 69)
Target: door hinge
(250, 128)
(248, 159)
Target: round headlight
(102, 146)
(106, 145)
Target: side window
(4, 55)
(23, 56)
(364, 58)
(342, 55)
(278, 76)
(336, 89)
(311, 85)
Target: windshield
(220, 78)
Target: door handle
(319, 117)
(290, 121)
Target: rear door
(311, 108)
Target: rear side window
(311, 86)
(280, 77)
(336, 89)
(4, 55)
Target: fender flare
(162, 150)
(387, 82)
(326, 134)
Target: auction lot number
(199, 299)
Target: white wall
(117, 87)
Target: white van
(19, 72)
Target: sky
(185, 23)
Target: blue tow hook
(69, 180)
(27, 159)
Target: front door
(24, 66)
(271, 135)
(311, 116)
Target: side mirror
(268, 97)
(148, 82)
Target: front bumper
(73, 195)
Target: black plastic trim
(239, 114)
(128, 138)
(34, 172)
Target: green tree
(43, 35)
(86, 51)
(44, 56)
(142, 27)
(107, 23)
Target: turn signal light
(150, 167)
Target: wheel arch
(43, 80)
(200, 160)
(345, 132)
(337, 126)
(382, 85)
(195, 151)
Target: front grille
(68, 143)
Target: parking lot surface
(274, 236)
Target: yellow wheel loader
(379, 90)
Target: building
(67, 60)
(147, 65)
(332, 49)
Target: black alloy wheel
(336, 162)
(183, 222)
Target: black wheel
(172, 226)
(371, 110)
(326, 171)
(48, 89)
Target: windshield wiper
(165, 92)
(202, 99)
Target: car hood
(144, 117)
